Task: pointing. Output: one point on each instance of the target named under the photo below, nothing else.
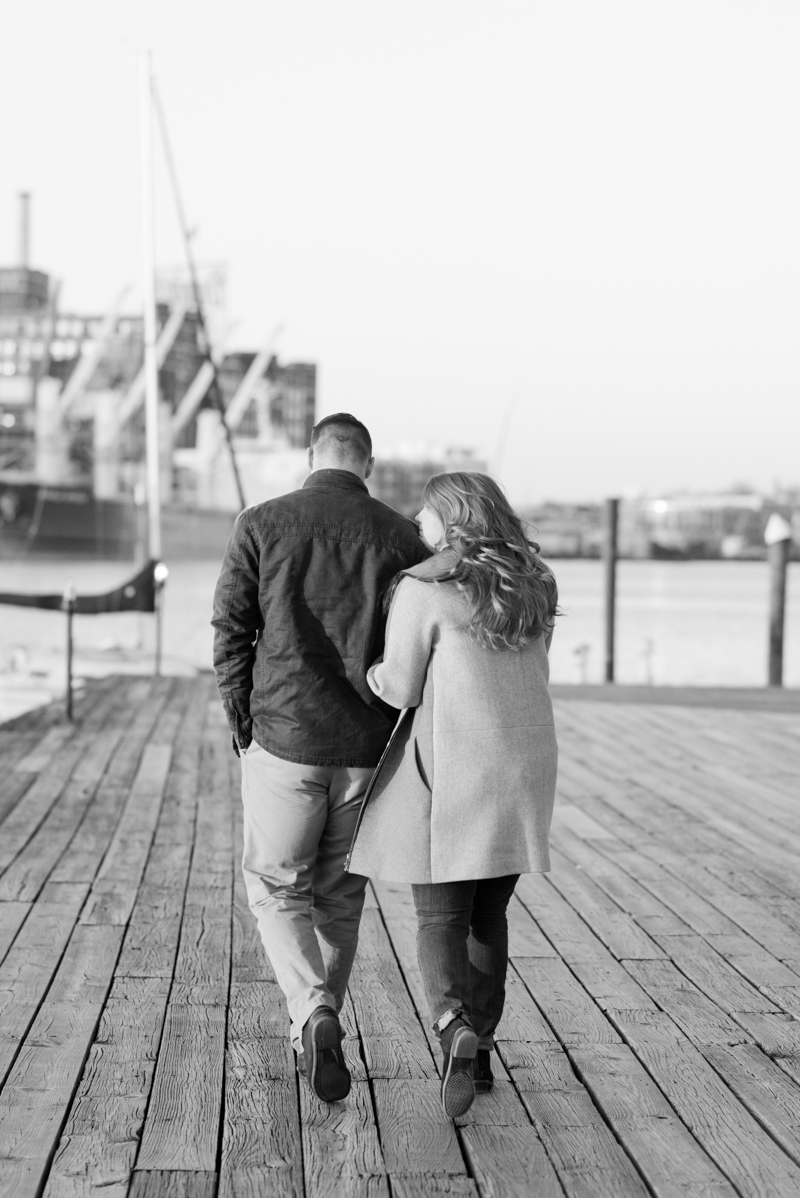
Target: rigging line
(216, 389)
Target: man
(298, 620)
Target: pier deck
(651, 1043)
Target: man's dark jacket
(298, 619)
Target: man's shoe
(458, 1088)
(482, 1071)
(326, 1070)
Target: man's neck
(359, 473)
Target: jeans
(298, 824)
(462, 946)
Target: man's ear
(368, 470)
(311, 457)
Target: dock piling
(778, 536)
(610, 559)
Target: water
(678, 623)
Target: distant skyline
(566, 234)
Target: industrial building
(72, 422)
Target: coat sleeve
(399, 676)
(237, 622)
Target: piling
(610, 560)
(778, 536)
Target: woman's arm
(398, 677)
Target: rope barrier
(137, 594)
(143, 593)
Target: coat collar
(342, 480)
(433, 567)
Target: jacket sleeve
(237, 622)
(399, 676)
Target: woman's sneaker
(458, 1088)
(482, 1071)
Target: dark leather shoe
(482, 1071)
(326, 1070)
(458, 1088)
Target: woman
(460, 805)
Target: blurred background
(556, 242)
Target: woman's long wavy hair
(512, 593)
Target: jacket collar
(437, 565)
(342, 480)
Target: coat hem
(389, 875)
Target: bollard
(68, 605)
(778, 537)
(610, 558)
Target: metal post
(68, 604)
(152, 440)
(778, 536)
(610, 557)
(160, 576)
(158, 618)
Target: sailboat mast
(151, 406)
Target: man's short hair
(351, 436)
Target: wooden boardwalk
(651, 1043)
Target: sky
(566, 235)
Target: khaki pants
(298, 824)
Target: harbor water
(678, 624)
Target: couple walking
(421, 751)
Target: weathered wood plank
(341, 1148)
(623, 937)
(98, 1147)
(30, 964)
(183, 1120)
(398, 914)
(585, 1153)
(712, 974)
(743, 1150)
(763, 1088)
(101, 1139)
(416, 1136)
(12, 917)
(699, 1017)
(646, 1125)
(432, 1187)
(173, 1183)
(569, 1009)
(153, 932)
(31, 741)
(391, 1034)
(510, 1162)
(39, 1088)
(115, 888)
(99, 753)
(182, 1126)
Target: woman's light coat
(465, 789)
